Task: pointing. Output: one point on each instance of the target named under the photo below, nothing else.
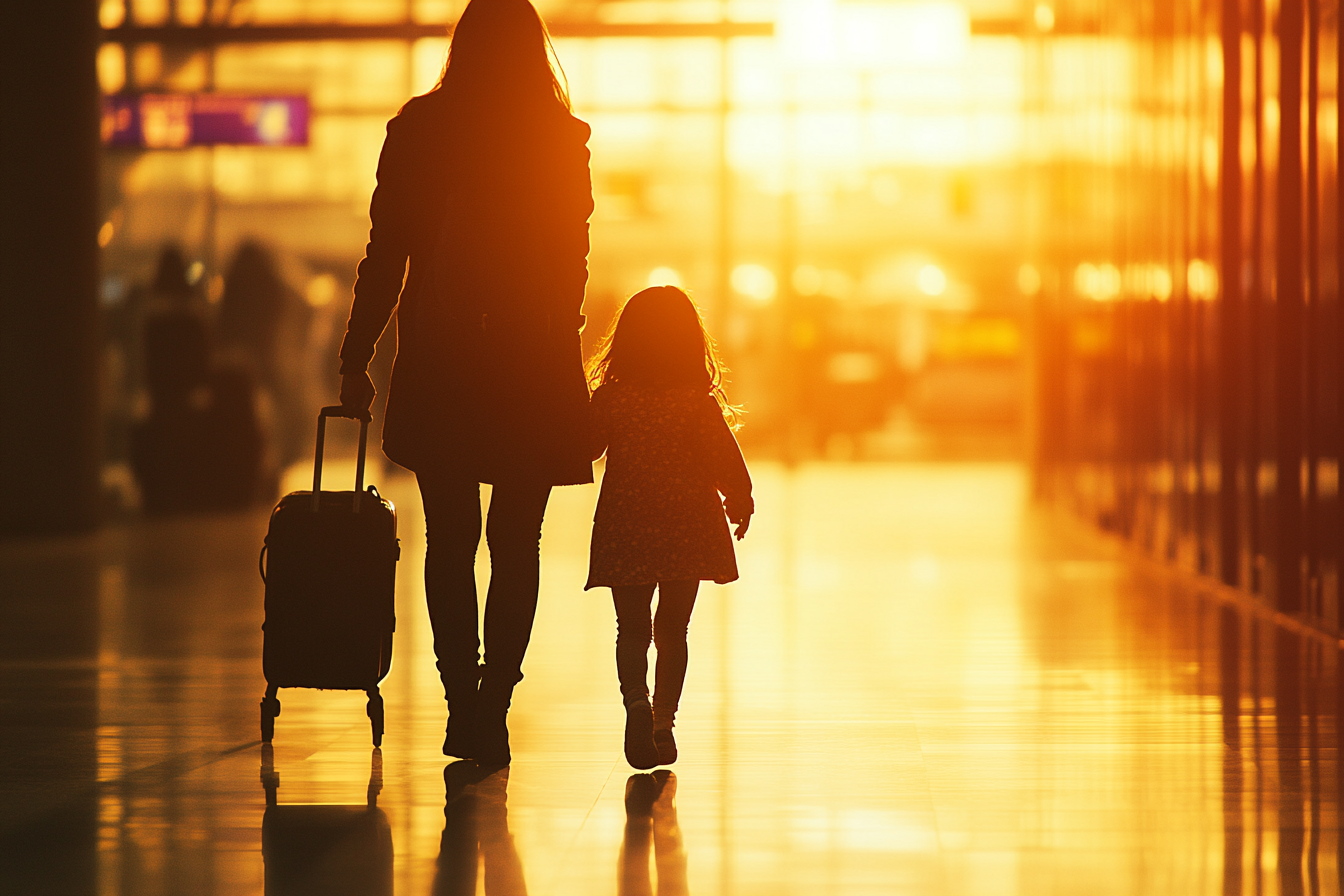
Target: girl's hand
(742, 522)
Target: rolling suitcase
(329, 564)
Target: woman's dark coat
(492, 212)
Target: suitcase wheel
(375, 711)
(270, 708)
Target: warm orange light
(1028, 280)
(808, 280)
(151, 12)
(1148, 281)
(147, 62)
(1202, 280)
(321, 290)
(872, 34)
(111, 68)
(932, 281)
(111, 13)
(190, 12)
(1098, 282)
(1044, 16)
(664, 276)
(427, 58)
(754, 281)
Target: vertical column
(1256, 316)
(1288, 710)
(1289, 298)
(1311, 423)
(723, 185)
(1230, 358)
(1337, 344)
(49, 265)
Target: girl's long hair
(658, 338)
(501, 50)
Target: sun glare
(754, 281)
(873, 34)
(932, 280)
(1044, 15)
(664, 276)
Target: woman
(483, 184)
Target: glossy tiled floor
(918, 686)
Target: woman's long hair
(659, 339)
(501, 51)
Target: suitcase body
(329, 564)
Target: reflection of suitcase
(329, 564)
(325, 850)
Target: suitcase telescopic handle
(338, 410)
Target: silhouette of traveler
(262, 328)
(660, 414)
(483, 185)
(166, 449)
(201, 447)
(235, 447)
(177, 342)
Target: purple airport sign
(179, 120)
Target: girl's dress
(659, 517)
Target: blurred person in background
(262, 328)
(200, 447)
(483, 184)
(173, 350)
(127, 396)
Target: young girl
(660, 414)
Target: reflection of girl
(651, 814)
(483, 185)
(659, 414)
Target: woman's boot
(460, 688)
(492, 710)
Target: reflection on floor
(918, 686)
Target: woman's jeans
(635, 628)
(452, 533)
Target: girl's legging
(635, 628)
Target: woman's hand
(357, 391)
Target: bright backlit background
(843, 196)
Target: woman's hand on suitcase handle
(357, 391)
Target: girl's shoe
(640, 750)
(641, 791)
(666, 745)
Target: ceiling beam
(214, 35)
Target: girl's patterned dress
(659, 517)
